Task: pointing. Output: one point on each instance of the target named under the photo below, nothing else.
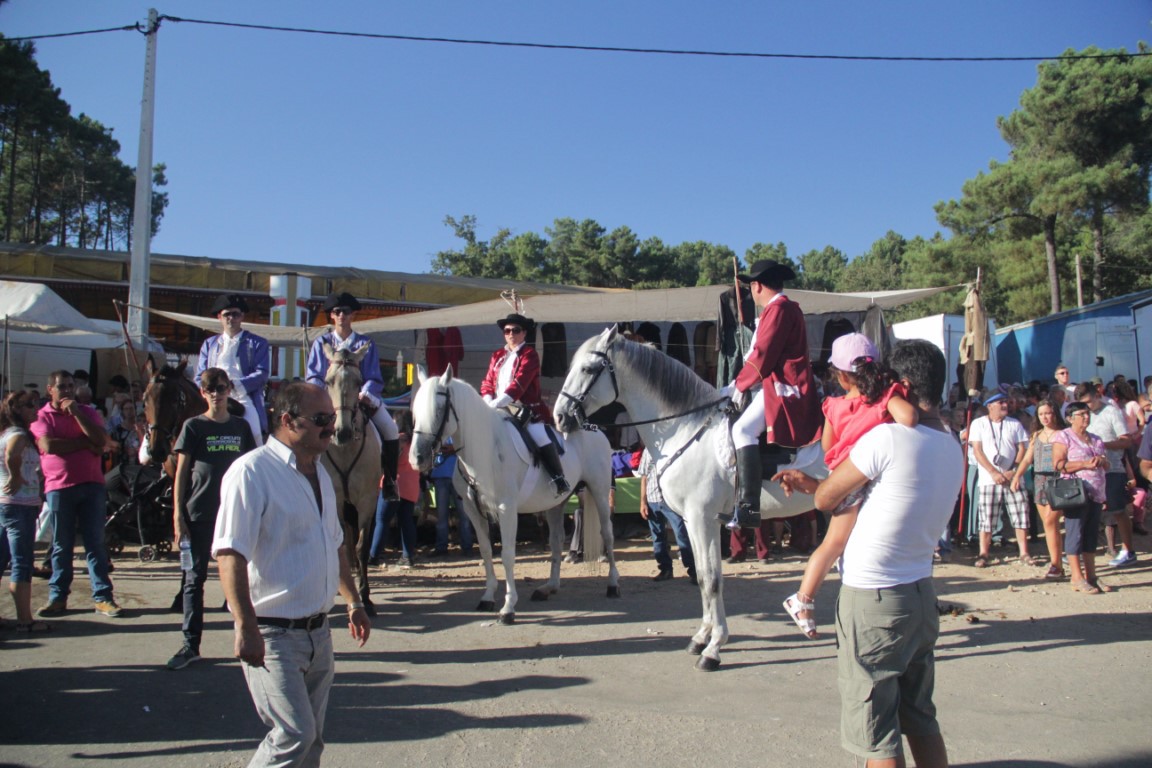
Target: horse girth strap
(680, 451)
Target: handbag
(1065, 493)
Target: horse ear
(611, 333)
(329, 351)
(421, 374)
(359, 354)
(181, 365)
(447, 377)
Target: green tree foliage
(61, 179)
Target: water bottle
(185, 555)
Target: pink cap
(849, 347)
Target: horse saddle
(527, 447)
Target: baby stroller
(139, 509)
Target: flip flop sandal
(981, 561)
(1054, 573)
(34, 628)
(793, 604)
(1102, 587)
(1029, 560)
(1085, 587)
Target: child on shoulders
(873, 396)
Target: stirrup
(744, 517)
(561, 484)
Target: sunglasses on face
(319, 419)
(231, 313)
(219, 389)
(340, 311)
(512, 329)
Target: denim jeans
(445, 496)
(291, 694)
(659, 518)
(79, 509)
(385, 511)
(200, 536)
(18, 544)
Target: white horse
(353, 460)
(496, 479)
(683, 423)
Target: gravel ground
(1029, 674)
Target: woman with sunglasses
(1076, 452)
(514, 377)
(205, 449)
(19, 503)
(341, 309)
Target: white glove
(739, 399)
(728, 389)
(488, 399)
(503, 401)
(371, 399)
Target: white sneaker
(1124, 558)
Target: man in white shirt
(1109, 425)
(997, 444)
(886, 619)
(278, 544)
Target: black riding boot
(389, 458)
(551, 461)
(748, 499)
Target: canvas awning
(609, 306)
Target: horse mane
(657, 377)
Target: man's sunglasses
(512, 329)
(219, 389)
(319, 419)
(231, 313)
(340, 311)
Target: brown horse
(169, 400)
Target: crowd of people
(250, 492)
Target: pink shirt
(852, 418)
(1084, 451)
(64, 470)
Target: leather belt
(309, 623)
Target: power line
(596, 48)
(127, 28)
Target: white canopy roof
(35, 314)
(609, 306)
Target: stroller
(139, 509)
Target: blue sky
(349, 152)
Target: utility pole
(1079, 283)
(138, 284)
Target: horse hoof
(613, 591)
(696, 648)
(507, 619)
(707, 664)
(540, 595)
(486, 606)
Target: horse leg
(508, 523)
(367, 528)
(480, 528)
(555, 518)
(704, 533)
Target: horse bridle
(449, 410)
(605, 365)
(181, 404)
(355, 407)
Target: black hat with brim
(344, 299)
(768, 270)
(229, 301)
(516, 319)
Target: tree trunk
(1097, 256)
(1050, 253)
(10, 203)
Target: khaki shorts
(886, 666)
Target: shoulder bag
(1067, 494)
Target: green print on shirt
(225, 443)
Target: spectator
(998, 444)
(659, 517)
(1107, 423)
(446, 501)
(71, 440)
(207, 446)
(1039, 456)
(403, 508)
(19, 505)
(1079, 453)
(278, 542)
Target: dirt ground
(1029, 674)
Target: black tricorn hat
(229, 301)
(767, 269)
(517, 319)
(343, 299)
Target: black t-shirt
(211, 446)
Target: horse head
(169, 400)
(344, 381)
(434, 417)
(591, 381)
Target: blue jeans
(18, 544)
(385, 511)
(200, 536)
(659, 517)
(445, 495)
(79, 509)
